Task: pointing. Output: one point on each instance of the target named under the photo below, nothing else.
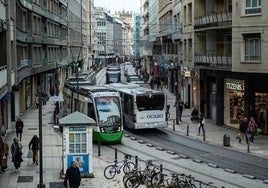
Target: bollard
(187, 130)
(161, 168)
(136, 161)
(204, 135)
(173, 124)
(115, 154)
(248, 147)
(98, 148)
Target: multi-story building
(145, 46)
(229, 59)
(38, 42)
(136, 35)
(4, 65)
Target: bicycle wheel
(109, 172)
(133, 181)
(156, 179)
(127, 175)
(128, 167)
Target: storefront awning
(164, 65)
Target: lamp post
(75, 65)
(40, 185)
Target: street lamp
(40, 185)
(75, 65)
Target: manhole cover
(25, 179)
(56, 185)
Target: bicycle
(111, 170)
(138, 177)
(186, 181)
(169, 182)
(206, 184)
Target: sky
(115, 5)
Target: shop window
(237, 106)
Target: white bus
(143, 108)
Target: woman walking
(252, 126)
(34, 146)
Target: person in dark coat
(201, 123)
(72, 176)
(16, 151)
(19, 127)
(34, 146)
(4, 151)
(243, 129)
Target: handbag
(256, 132)
(238, 135)
(30, 154)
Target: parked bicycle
(137, 177)
(126, 165)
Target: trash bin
(226, 140)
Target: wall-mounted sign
(187, 74)
(238, 86)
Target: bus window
(152, 102)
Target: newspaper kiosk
(77, 142)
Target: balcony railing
(213, 61)
(218, 19)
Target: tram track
(175, 163)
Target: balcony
(213, 61)
(218, 20)
(3, 76)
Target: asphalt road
(224, 158)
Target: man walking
(72, 176)
(19, 127)
(243, 129)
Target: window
(77, 143)
(252, 7)
(252, 47)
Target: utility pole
(75, 65)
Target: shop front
(234, 102)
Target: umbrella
(56, 99)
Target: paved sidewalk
(29, 176)
(214, 133)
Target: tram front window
(108, 110)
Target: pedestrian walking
(19, 127)
(252, 126)
(201, 124)
(36, 100)
(72, 176)
(4, 151)
(44, 97)
(34, 146)
(180, 106)
(243, 130)
(16, 151)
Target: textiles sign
(235, 86)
